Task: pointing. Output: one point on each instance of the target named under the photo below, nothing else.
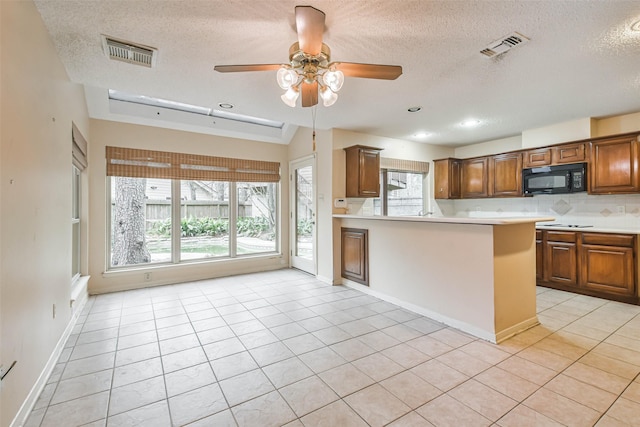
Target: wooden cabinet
(539, 256)
(446, 178)
(537, 157)
(355, 256)
(614, 166)
(561, 258)
(474, 175)
(363, 171)
(568, 153)
(505, 175)
(607, 263)
(597, 264)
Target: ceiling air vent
(129, 52)
(504, 44)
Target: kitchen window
(227, 208)
(402, 188)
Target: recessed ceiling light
(225, 105)
(635, 26)
(421, 135)
(469, 123)
(414, 109)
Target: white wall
(301, 145)
(137, 136)
(37, 108)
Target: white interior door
(303, 214)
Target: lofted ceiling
(582, 60)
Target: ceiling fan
(310, 68)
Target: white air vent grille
(504, 44)
(129, 52)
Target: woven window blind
(401, 165)
(78, 149)
(137, 163)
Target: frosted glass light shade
(290, 96)
(333, 79)
(328, 96)
(286, 77)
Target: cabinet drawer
(623, 240)
(561, 236)
(570, 153)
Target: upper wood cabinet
(505, 175)
(446, 178)
(474, 175)
(363, 171)
(568, 153)
(537, 157)
(614, 166)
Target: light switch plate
(340, 203)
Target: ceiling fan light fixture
(286, 77)
(329, 97)
(290, 96)
(334, 79)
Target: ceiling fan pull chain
(313, 119)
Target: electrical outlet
(621, 209)
(147, 277)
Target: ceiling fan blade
(369, 71)
(238, 68)
(310, 27)
(309, 94)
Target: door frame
(310, 267)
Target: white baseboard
(324, 279)
(463, 326)
(79, 299)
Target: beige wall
(618, 124)
(38, 105)
(496, 146)
(301, 146)
(136, 136)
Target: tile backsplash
(615, 211)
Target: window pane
(404, 193)
(204, 219)
(75, 222)
(257, 209)
(140, 221)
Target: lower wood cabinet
(355, 255)
(597, 264)
(561, 258)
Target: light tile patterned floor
(281, 348)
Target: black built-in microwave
(570, 178)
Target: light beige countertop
(450, 219)
(587, 229)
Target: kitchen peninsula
(475, 274)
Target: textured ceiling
(583, 59)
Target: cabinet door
(538, 157)
(561, 263)
(363, 171)
(539, 256)
(505, 175)
(369, 173)
(568, 153)
(446, 179)
(608, 269)
(355, 263)
(614, 166)
(474, 178)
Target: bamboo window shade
(401, 165)
(137, 163)
(79, 148)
